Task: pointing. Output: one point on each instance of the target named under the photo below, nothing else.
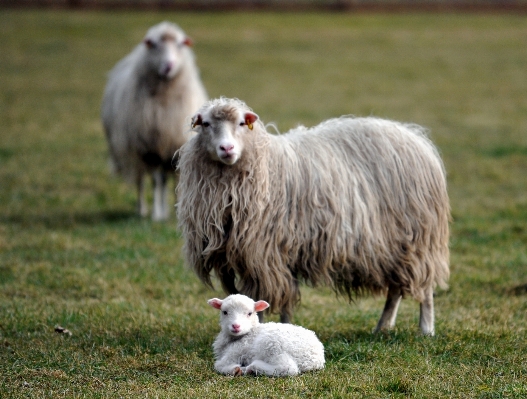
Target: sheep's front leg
(142, 207)
(389, 313)
(426, 318)
(160, 211)
(229, 368)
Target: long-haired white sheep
(360, 204)
(149, 99)
(244, 346)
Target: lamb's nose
(236, 326)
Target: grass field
(73, 253)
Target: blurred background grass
(73, 253)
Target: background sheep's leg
(261, 317)
(160, 211)
(142, 207)
(284, 365)
(389, 313)
(426, 319)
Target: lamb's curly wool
(357, 203)
(244, 346)
(148, 100)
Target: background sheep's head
(165, 44)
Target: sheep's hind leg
(284, 318)
(389, 314)
(426, 319)
(160, 211)
(285, 366)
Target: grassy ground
(72, 252)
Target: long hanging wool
(359, 204)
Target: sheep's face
(223, 131)
(238, 313)
(165, 48)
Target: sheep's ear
(215, 303)
(196, 121)
(188, 41)
(260, 305)
(250, 118)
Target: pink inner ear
(215, 303)
(250, 118)
(188, 42)
(260, 305)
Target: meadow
(74, 254)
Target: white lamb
(244, 346)
(148, 101)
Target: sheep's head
(222, 125)
(165, 45)
(238, 313)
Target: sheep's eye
(225, 312)
(250, 314)
(206, 124)
(242, 123)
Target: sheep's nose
(227, 147)
(236, 326)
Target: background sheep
(148, 100)
(244, 346)
(357, 203)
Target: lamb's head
(238, 313)
(223, 126)
(165, 45)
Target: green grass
(72, 252)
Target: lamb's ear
(250, 118)
(260, 305)
(215, 303)
(196, 121)
(188, 41)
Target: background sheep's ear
(149, 43)
(215, 303)
(260, 305)
(188, 42)
(196, 120)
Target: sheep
(359, 204)
(244, 346)
(148, 100)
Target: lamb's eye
(225, 312)
(206, 124)
(242, 123)
(250, 314)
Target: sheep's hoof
(238, 372)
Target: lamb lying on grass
(244, 346)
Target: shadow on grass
(69, 219)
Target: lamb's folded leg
(283, 365)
